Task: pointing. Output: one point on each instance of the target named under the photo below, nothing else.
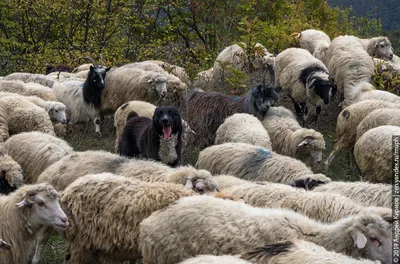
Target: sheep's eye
(56, 111)
(382, 46)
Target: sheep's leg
(97, 122)
(332, 155)
(41, 242)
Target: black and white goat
(83, 99)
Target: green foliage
(34, 33)
(237, 81)
(387, 80)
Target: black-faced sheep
(208, 110)
(164, 236)
(114, 206)
(254, 163)
(373, 153)
(158, 138)
(303, 78)
(126, 83)
(83, 99)
(35, 151)
(23, 214)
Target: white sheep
(348, 120)
(289, 138)
(31, 77)
(304, 78)
(315, 41)
(176, 89)
(129, 83)
(299, 251)
(208, 225)
(209, 259)
(243, 128)
(67, 76)
(56, 110)
(364, 193)
(83, 98)
(254, 163)
(174, 70)
(366, 91)
(378, 47)
(83, 67)
(109, 226)
(373, 153)
(19, 115)
(226, 181)
(142, 109)
(379, 117)
(349, 64)
(203, 79)
(325, 207)
(35, 151)
(28, 89)
(236, 57)
(23, 214)
(78, 164)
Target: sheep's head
(10, 174)
(263, 97)
(310, 144)
(200, 181)
(372, 237)
(320, 83)
(383, 49)
(97, 76)
(43, 202)
(158, 85)
(57, 112)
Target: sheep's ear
(359, 239)
(303, 143)
(25, 202)
(108, 68)
(189, 185)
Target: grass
(82, 137)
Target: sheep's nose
(391, 56)
(64, 121)
(200, 189)
(64, 220)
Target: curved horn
(89, 58)
(101, 60)
(272, 73)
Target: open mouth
(167, 130)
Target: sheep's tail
(132, 114)
(261, 254)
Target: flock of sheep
(251, 197)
